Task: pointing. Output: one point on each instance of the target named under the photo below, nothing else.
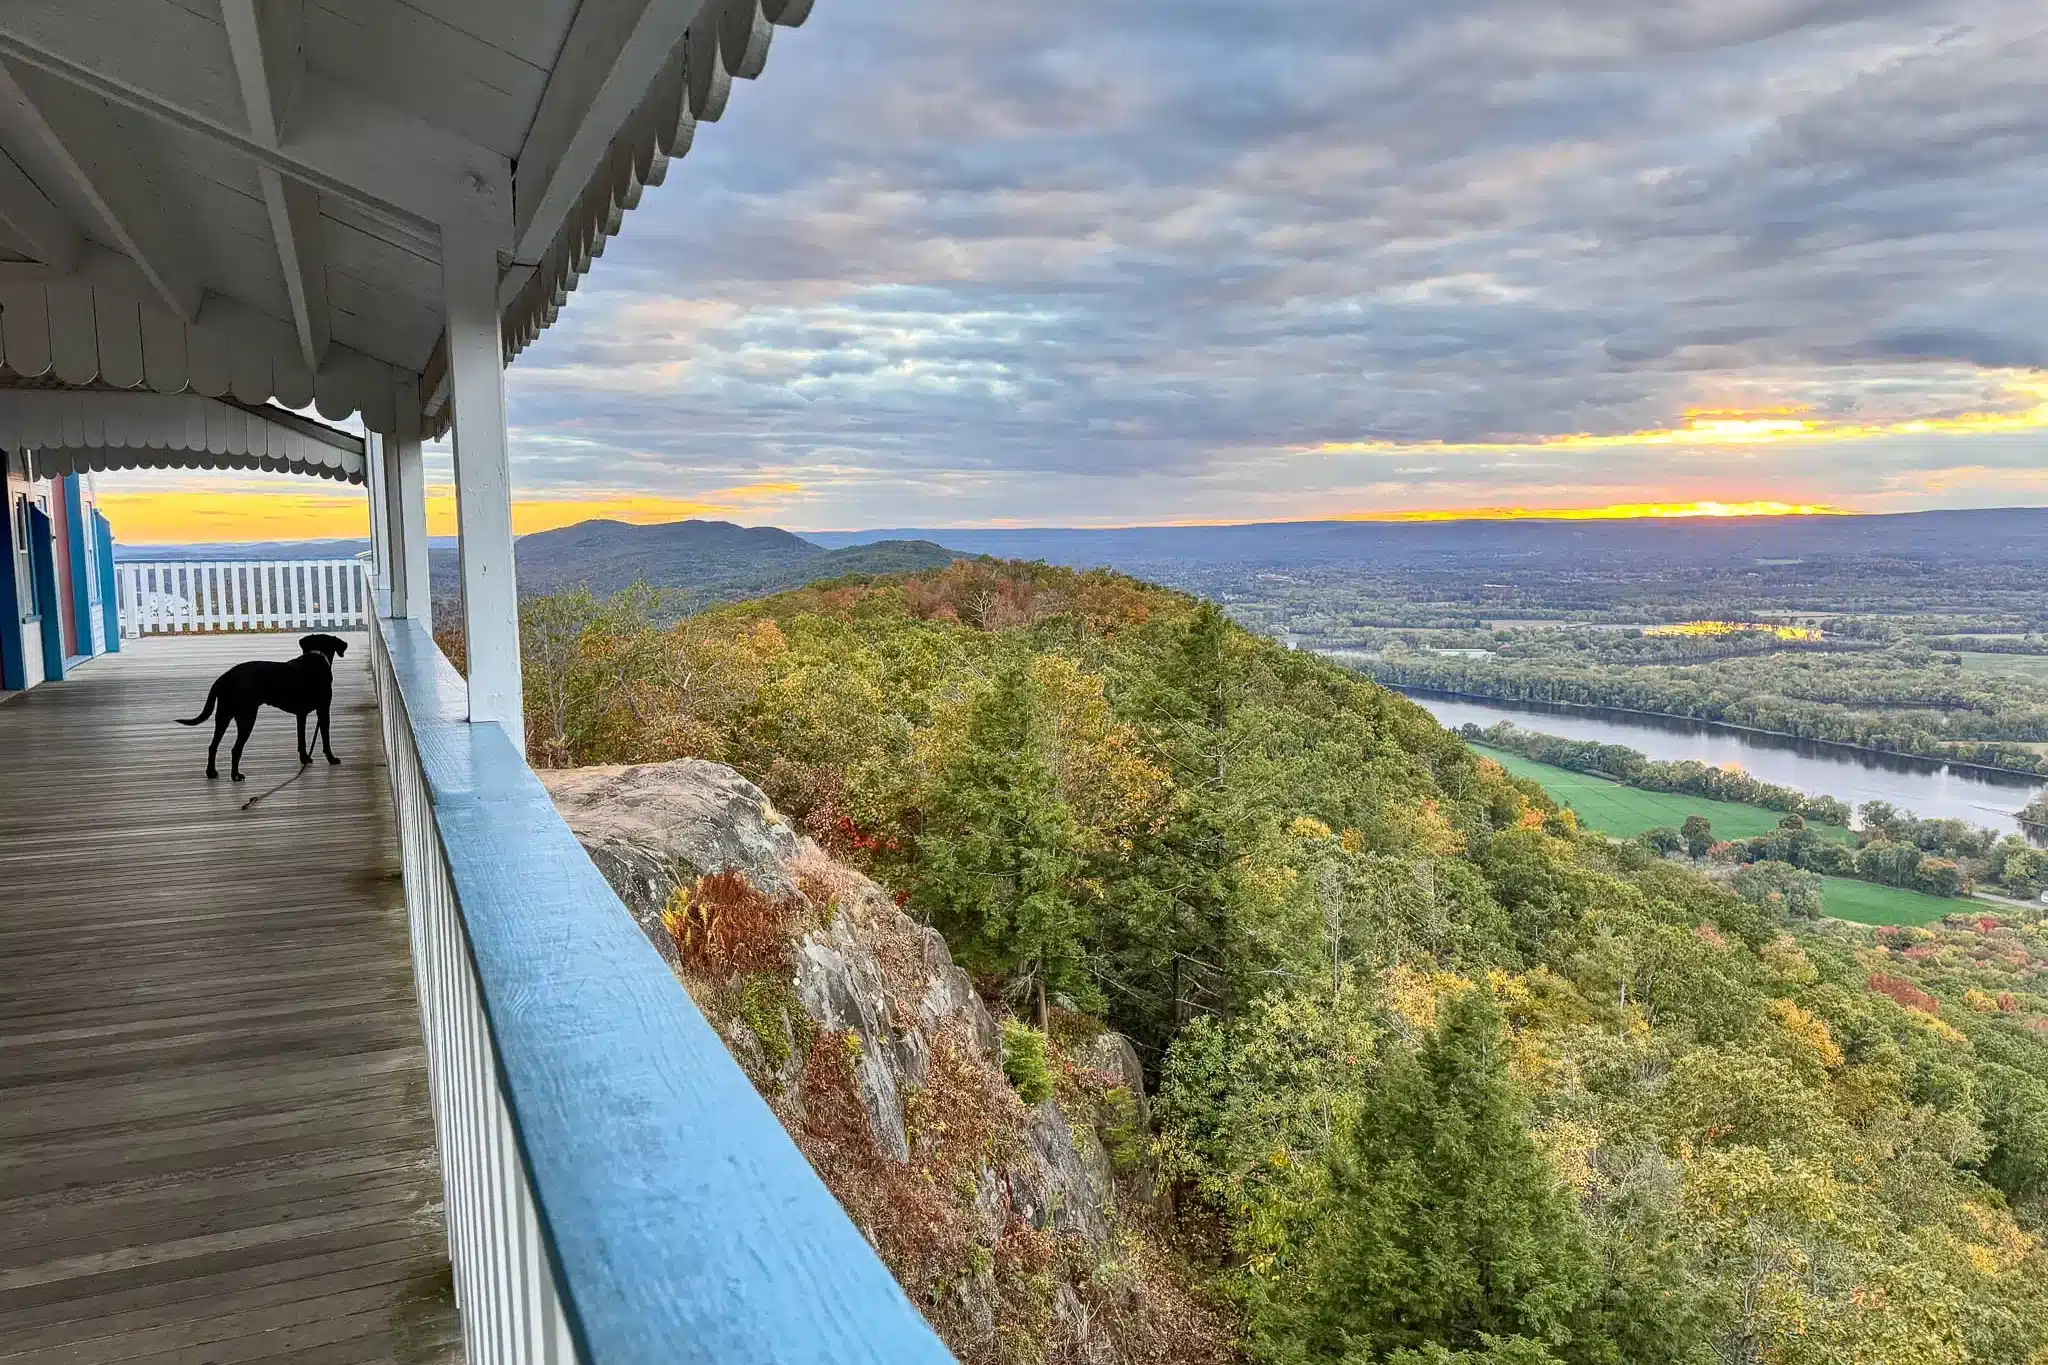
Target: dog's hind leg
(220, 727)
(244, 723)
(326, 739)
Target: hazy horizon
(441, 541)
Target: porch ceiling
(248, 198)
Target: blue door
(78, 553)
(110, 602)
(13, 667)
(42, 563)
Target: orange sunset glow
(1757, 427)
(226, 517)
(193, 517)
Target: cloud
(1108, 259)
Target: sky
(1096, 262)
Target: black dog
(304, 685)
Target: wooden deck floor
(215, 1144)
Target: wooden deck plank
(213, 1299)
(315, 1031)
(214, 1136)
(29, 1166)
(73, 1317)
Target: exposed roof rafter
(267, 41)
(335, 139)
(54, 238)
(295, 223)
(85, 139)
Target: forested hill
(696, 563)
(1437, 1077)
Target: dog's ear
(340, 647)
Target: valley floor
(1624, 812)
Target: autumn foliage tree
(998, 853)
(1444, 1227)
(1440, 1077)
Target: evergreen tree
(1000, 853)
(1168, 931)
(1446, 1230)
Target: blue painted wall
(13, 667)
(42, 555)
(75, 531)
(110, 598)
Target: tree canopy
(1439, 1075)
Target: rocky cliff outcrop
(1022, 1231)
(654, 827)
(874, 987)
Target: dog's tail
(212, 694)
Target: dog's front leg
(326, 739)
(305, 754)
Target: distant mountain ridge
(698, 563)
(1975, 535)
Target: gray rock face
(950, 994)
(694, 815)
(840, 982)
(1113, 1055)
(653, 827)
(1065, 1181)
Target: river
(1927, 789)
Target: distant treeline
(1970, 644)
(1896, 848)
(1885, 861)
(2034, 815)
(1631, 768)
(1760, 702)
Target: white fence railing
(617, 1193)
(506, 1287)
(177, 596)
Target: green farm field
(2033, 666)
(1623, 812)
(1869, 903)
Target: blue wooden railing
(618, 1194)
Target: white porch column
(405, 491)
(483, 482)
(380, 525)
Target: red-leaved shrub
(1905, 992)
(724, 925)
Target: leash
(278, 788)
